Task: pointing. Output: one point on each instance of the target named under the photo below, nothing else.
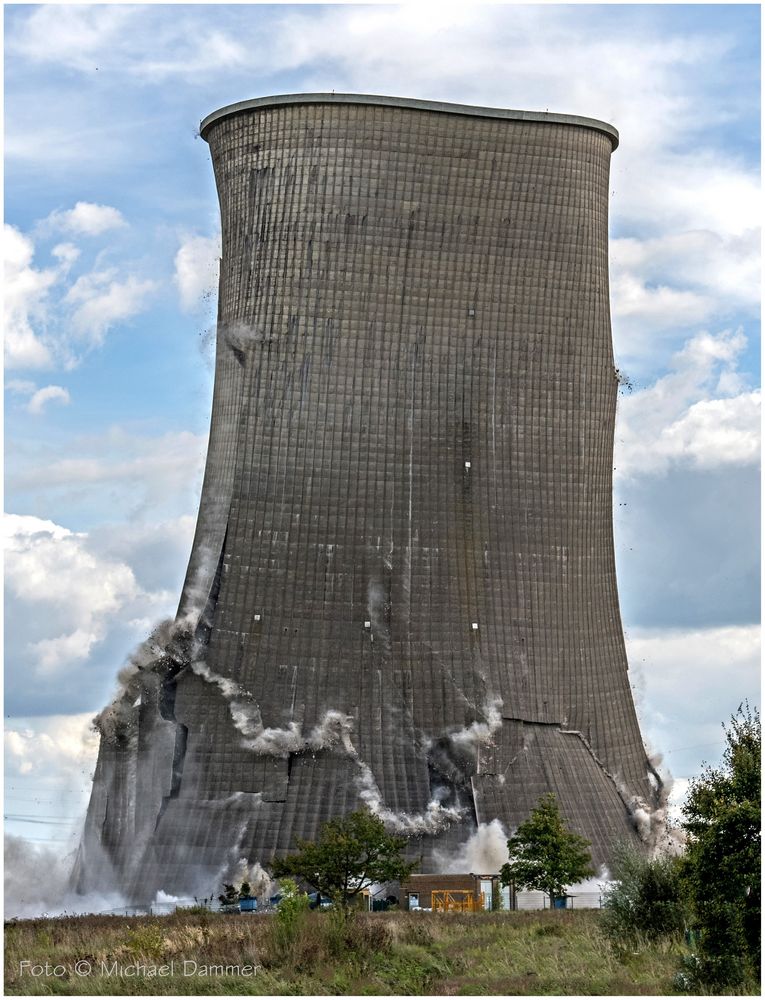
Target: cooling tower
(402, 590)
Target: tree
(721, 866)
(645, 901)
(352, 853)
(231, 896)
(544, 855)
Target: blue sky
(111, 248)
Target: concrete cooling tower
(401, 592)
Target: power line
(45, 822)
(696, 746)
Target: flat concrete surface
(408, 102)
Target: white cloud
(663, 285)
(692, 681)
(659, 305)
(727, 264)
(73, 36)
(694, 203)
(51, 147)
(57, 755)
(196, 269)
(696, 415)
(682, 192)
(100, 301)
(85, 219)
(84, 311)
(47, 563)
(41, 397)
(717, 432)
(66, 253)
(163, 464)
(20, 386)
(63, 650)
(111, 477)
(65, 594)
(123, 40)
(78, 602)
(26, 291)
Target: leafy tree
(721, 866)
(352, 853)
(230, 895)
(646, 900)
(544, 855)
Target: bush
(289, 920)
(721, 866)
(646, 903)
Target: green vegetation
(352, 853)
(289, 920)
(231, 896)
(645, 903)
(721, 864)
(544, 855)
(715, 886)
(515, 954)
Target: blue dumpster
(248, 905)
(559, 902)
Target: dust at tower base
(402, 590)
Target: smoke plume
(651, 820)
(484, 852)
(479, 734)
(165, 652)
(435, 818)
(334, 730)
(37, 883)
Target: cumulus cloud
(74, 609)
(26, 292)
(711, 669)
(100, 301)
(663, 286)
(665, 88)
(48, 316)
(50, 567)
(41, 397)
(196, 269)
(695, 415)
(85, 219)
(59, 751)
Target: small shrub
(289, 920)
(645, 904)
(146, 942)
(337, 931)
(549, 930)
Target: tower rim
(408, 103)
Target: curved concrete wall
(406, 515)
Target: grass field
(517, 954)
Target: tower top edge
(410, 104)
